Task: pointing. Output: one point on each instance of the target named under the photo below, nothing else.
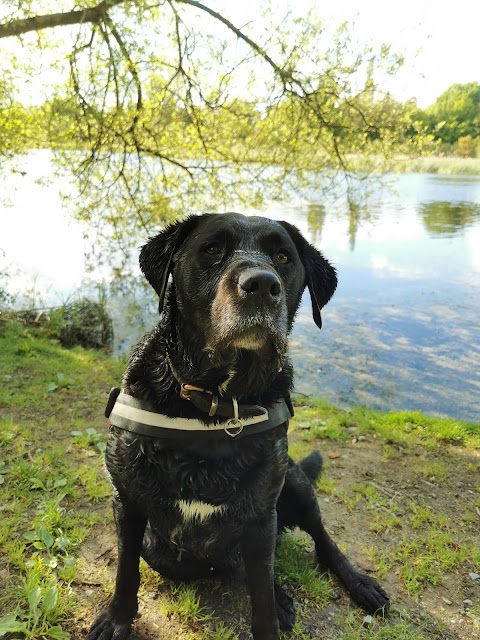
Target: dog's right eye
(212, 249)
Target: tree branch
(242, 36)
(37, 23)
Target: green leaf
(45, 536)
(31, 536)
(63, 381)
(10, 624)
(61, 543)
(57, 633)
(34, 598)
(70, 562)
(61, 482)
(91, 431)
(36, 483)
(52, 387)
(50, 599)
(76, 433)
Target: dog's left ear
(157, 255)
(320, 278)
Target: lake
(402, 331)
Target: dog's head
(237, 280)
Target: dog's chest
(196, 493)
(195, 504)
(198, 497)
(194, 486)
(197, 511)
(197, 527)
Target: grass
(440, 165)
(298, 569)
(356, 630)
(445, 165)
(53, 493)
(428, 543)
(317, 419)
(49, 476)
(184, 602)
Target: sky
(439, 39)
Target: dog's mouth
(263, 336)
(252, 338)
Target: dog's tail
(312, 466)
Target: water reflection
(401, 331)
(448, 218)
(354, 212)
(316, 214)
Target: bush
(84, 323)
(467, 146)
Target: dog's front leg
(258, 549)
(115, 622)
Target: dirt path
(386, 508)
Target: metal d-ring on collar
(234, 426)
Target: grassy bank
(442, 165)
(448, 165)
(400, 493)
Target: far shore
(446, 165)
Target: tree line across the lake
(454, 119)
(450, 126)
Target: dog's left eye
(212, 249)
(282, 257)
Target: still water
(402, 331)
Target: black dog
(197, 450)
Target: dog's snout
(260, 282)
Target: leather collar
(139, 416)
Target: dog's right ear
(157, 255)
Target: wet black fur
(261, 489)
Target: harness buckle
(186, 388)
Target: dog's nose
(260, 282)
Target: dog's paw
(285, 609)
(106, 627)
(368, 594)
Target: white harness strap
(138, 416)
(164, 422)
